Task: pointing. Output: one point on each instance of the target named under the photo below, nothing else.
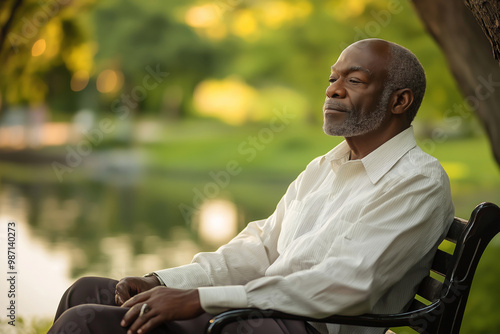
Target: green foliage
(283, 50)
(266, 44)
(32, 326)
(40, 39)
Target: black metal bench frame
(444, 301)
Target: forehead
(368, 57)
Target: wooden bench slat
(430, 312)
(418, 329)
(430, 289)
(416, 305)
(441, 263)
(456, 229)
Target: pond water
(117, 217)
(115, 223)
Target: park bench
(440, 302)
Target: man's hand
(131, 286)
(163, 304)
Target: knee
(90, 318)
(74, 320)
(91, 281)
(92, 290)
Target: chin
(330, 131)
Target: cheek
(359, 103)
(364, 103)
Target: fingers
(118, 299)
(142, 297)
(129, 286)
(131, 315)
(141, 322)
(163, 304)
(122, 292)
(148, 325)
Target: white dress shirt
(348, 237)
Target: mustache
(336, 105)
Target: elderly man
(354, 233)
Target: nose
(336, 90)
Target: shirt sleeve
(245, 258)
(395, 231)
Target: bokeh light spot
(38, 48)
(201, 16)
(108, 81)
(79, 80)
(229, 99)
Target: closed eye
(355, 81)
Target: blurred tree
(280, 49)
(40, 42)
(469, 56)
(292, 44)
(134, 36)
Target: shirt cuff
(217, 299)
(189, 276)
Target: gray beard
(356, 123)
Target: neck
(365, 144)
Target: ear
(401, 101)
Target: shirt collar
(338, 156)
(378, 162)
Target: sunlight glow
(229, 99)
(13, 137)
(276, 13)
(50, 134)
(217, 221)
(244, 24)
(53, 33)
(38, 48)
(55, 133)
(108, 81)
(349, 10)
(217, 32)
(35, 258)
(79, 80)
(201, 16)
(81, 57)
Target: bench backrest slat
(430, 289)
(438, 307)
(470, 239)
(456, 229)
(441, 263)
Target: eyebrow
(355, 69)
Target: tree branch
(5, 29)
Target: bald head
(373, 52)
(402, 68)
(379, 46)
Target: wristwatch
(155, 275)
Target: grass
(33, 326)
(209, 146)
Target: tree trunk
(470, 59)
(487, 14)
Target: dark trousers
(88, 306)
